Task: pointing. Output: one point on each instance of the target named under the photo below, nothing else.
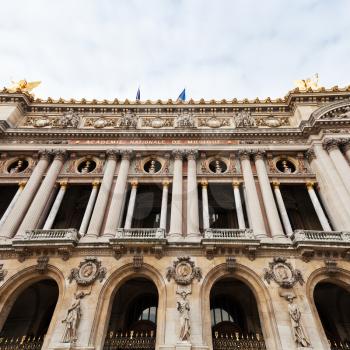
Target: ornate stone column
(340, 163)
(21, 185)
(284, 215)
(38, 204)
(115, 209)
(56, 206)
(269, 202)
(192, 195)
(254, 208)
(176, 198)
(15, 216)
(103, 195)
(164, 209)
(205, 204)
(346, 148)
(342, 198)
(238, 203)
(90, 206)
(131, 206)
(318, 208)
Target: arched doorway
(333, 305)
(30, 316)
(133, 320)
(234, 316)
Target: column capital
(178, 153)
(96, 183)
(204, 183)
(276, 184)
(191, 154)
(22, 184)
(126, 153)
(235, 183)
(112, 154)
(258, 154)
(64, 183)
(330, 144)
(134, 183)
(166, 183)
(59, 154)
(244, 154)
(310, 184)
(44, 154)
(310, 154)
(345, 142)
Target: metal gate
(130, 340)
(225, 341)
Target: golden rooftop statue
(305, 84)
(23, 86)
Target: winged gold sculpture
(23, 86)
(305, 84)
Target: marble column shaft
(267, 195)
(282, 208)
(238, 203)
(21, 185)
(254, 208)
(205, 204)
(318, 208)
(339, 161)
(89, 207)
(176, 198)
(192, 194)
(56, 206)
(31, 219)
(103, 195)
(16, 215)
(131, 206)
(164, 209)
(115, 209)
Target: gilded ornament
(23, 86)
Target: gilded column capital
(96, 183)
(59, 154)
(258, 154)
(126, 154)
(63, 183)
(310, 184)
(191, 154)
(112, 154)
(134, 183)
(331, 144)
(178, 153)
(166, 183)
(22, 184)
(310, 154)
(235, 183)
(204, 183)
(275, 184)
(244, 154)
(45, 154)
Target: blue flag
(138, 95)
(182, 96)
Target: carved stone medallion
(283, 273)
(88, 272)
(184, 271)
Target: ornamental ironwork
(283, 273)
(130, 340)
(183, 271)
(224, 341)
(88, 272)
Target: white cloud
(217, 49)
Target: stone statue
(72, 319)
(69, 120)
(345, 114)
(304, 84)
(152, 168)
(295, 317)
(185, 120)
(244, 119)
(19, 167)
(286, 168)
(86, 168)
(128, 120)
(183, 307)
(218, 169)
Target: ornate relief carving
(128, 120)
(183, 271)
(331, 267)
(244, 119)
(88, 272)
(185, 121)
(43, 262)
(70, 119)
(283, 273)
(3, 272)
(272, 121)
(214, 122)
(231, 264)
(337, 113)
(137, 261)
(100, 123)
(158, 122)
(232, 164)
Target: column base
(183, 346)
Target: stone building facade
(175, 225)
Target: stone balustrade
(140, 233)
(228, 233)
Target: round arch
(262, 298)
(341, 279)
(19, 282)
(108, 292)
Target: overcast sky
(215, 48)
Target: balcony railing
(130, 340)
(21, 343)
(140, 233)
(224, 341)
(339, 345)
(321, 237)
(228, 233)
